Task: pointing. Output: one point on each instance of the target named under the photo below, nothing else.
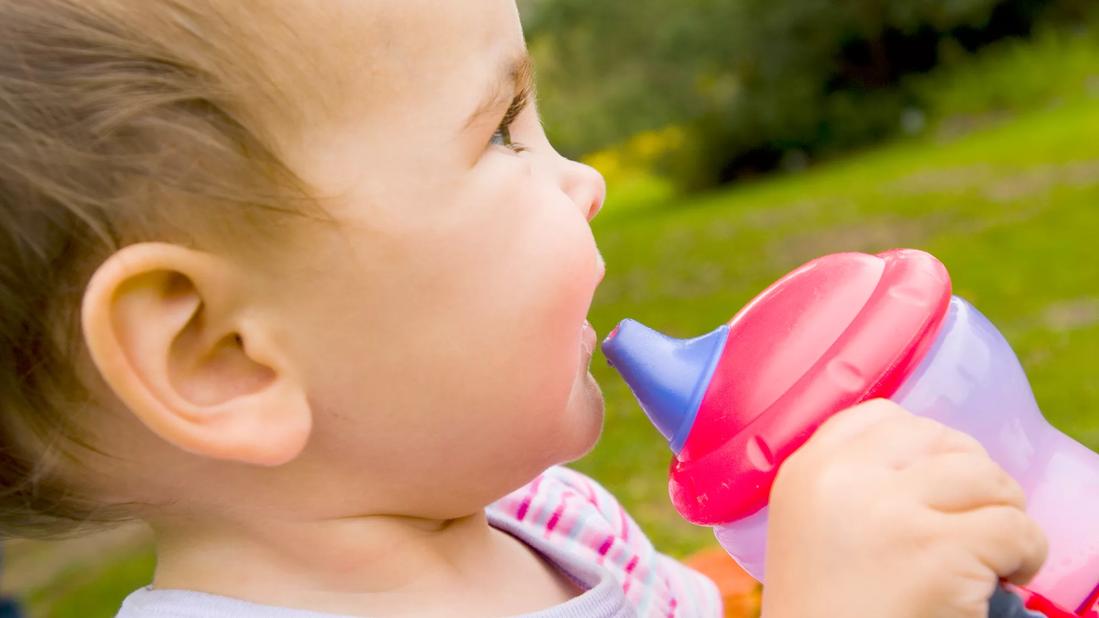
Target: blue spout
(668, 376)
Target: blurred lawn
(1012, 208)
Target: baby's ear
(174, 334)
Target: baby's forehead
(385, 86)
(361, 57)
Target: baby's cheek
(567, 303)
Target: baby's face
(440, 326)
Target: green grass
(91, 591)
(1012, 208)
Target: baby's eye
(502, 136)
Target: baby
(302, 284)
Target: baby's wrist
(777, 603)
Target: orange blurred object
(740, 593)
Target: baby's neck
(370, 565)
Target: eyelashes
(502, 136)
(518, 104)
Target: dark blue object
(9, 608)
(668, 376)
(1005, 604)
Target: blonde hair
(119, 121)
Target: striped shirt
(568, 511)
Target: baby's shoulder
(576, 514)
(562, 499)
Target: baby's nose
(585, 186)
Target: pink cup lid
(837, 331)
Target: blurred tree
(755, 84)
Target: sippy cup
(842, 329)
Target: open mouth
(587, 331)
(587, 338)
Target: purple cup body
(972, 381)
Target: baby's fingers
(1004, 539)
(840, 429)
(904, 439)
(954, 482)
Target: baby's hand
(882, 514)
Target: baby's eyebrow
(517, 76)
